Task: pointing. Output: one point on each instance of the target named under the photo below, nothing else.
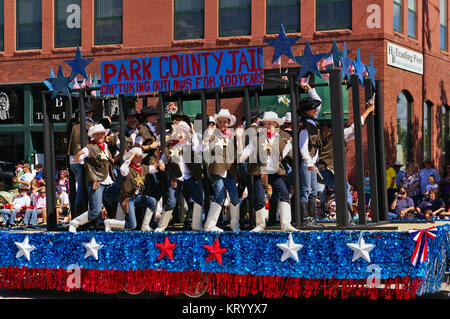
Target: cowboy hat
(97, 128)
(132, 112)
(225, 113)
(181, 114)
(273, 117)
(88, 107)
(181, 127)
(146, 111)
(307, 104)
(287, 117)
(136, 150)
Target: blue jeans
(78, 171)
(111, 196)
(34, 214)
(96, 199)
(308, 183)
(260, 193)
(328, 180)
(138, 201)
(279, 187)
(9, 219)
(191, 189)
(221, 185)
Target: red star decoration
(215, 252)
(166, 249)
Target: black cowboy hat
(146, 111)
(132, 112)
(307, 104)
(181, 114)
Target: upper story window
(234, 17)
(108, 22)
(398, 16)
(189, 19)
(443, 24)
(412, 19)
(29, 24)
(333, 14)
(67, 23)
(2, 26)
(286, 12)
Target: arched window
(404, 110)
(427, 129)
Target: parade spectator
(401, 205)
(391, 175)
(63, 180)
(424, 173)
(367, 186)
(431, 202)
(26, 178)
(411, 182)
(18, 173)
(20, 202)
(31, 216)
(399, 174)
(39, 174)
(432, 185)
(446, 187)
(62, 204)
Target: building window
(286, 12)
(398, 15)
(108, 22)
(12, 105)
(12, 153)
(189, 19)
(443, 24)
(427, 130)
(404, 115)
(333, 14)
(2, 26)
(29, 24)
(67, 23)
(234, 17)
(412, 18)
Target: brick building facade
(416, 107)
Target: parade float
(375, 259)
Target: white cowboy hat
(225, 113)
(273, 117)
(136, 150)
(97, 128)
(181, 127)
(211, 120)
(287, 117)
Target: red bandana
(136, 167)
(227, 132)
(270, 134)
(101, 145)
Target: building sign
(405, 59)
(191, 71)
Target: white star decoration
(24, 249)
(92, 248)
(361, 249)
(290, 249)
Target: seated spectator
(432, 184)
(424, 173)
(445, 187)
(401, 205)
(411, 182)
(39, 174)
(63, 180)
(62, 204)
(18, 172)
(26, 178)
(20, 202)
(40, 207)
(433, 203)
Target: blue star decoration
(371, 71)
(308, 62)
(78, 65)
(359, 68)
(60, 84)
(346, 63)
(47, 83)
(282, 45)
(336, 55)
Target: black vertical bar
(108, 107)
(295, 152)
(121, 126)
(381, 159)
(180, 101)
(203, 106)
(217, 102)
(337, 123)
(256, 97)
(371, 152)
(83, 133)
(144, 101)
(162, 122)
(72, 182)
(358, 149)
(250, 187)
(49, 163)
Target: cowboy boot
(147, 219)
(213, 215)
(234, 214)
(113, 223)
(260, 216)
(164, 221)
(197, 217)
(286, 217)
(79, 221)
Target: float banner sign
(191, 71)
